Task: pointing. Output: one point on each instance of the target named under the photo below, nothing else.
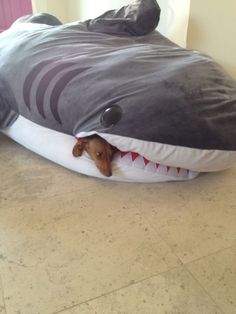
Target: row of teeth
(137, 161)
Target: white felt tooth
(183, 173)
(172, 171)
(126, 159)
(161, 169)
(139, 163)
(151, 167)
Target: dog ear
(78, 148)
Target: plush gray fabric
(64, 77)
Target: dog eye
(100, 154)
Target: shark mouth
(135, 160)
(127, 166)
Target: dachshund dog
(99, 150)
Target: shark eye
(111, 116)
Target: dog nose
(106, 172)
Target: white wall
(73, 10)
(212, 29)
(92, 8)
(174, 20)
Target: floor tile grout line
(210, 254)
(159, 235)
(184, 265)
(192, 261)
(203, 288)
(2, 294)
(116, 290)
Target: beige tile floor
(71, 244)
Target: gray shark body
(117, 75)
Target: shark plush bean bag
(170, 112)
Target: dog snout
(106, 172)
(109, 174)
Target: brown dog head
(98, 149)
